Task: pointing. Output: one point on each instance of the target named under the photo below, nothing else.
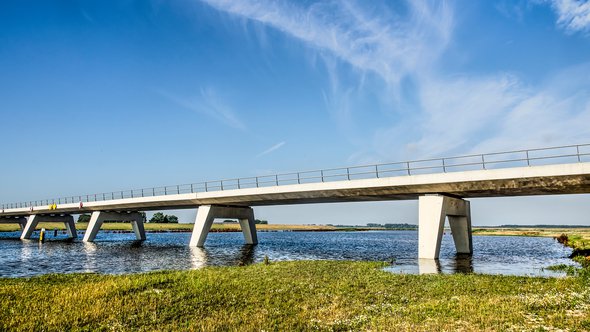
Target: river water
(118, 252)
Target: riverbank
(301, 295)
(165, 227)
(582, 234)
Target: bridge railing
(517, 158)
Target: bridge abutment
(35, 219)
(206, 214)
(433, 210)
(99, 217)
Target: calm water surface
(119, 253)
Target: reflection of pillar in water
(198, 257)
(464, 263)
(428, 266)
(247, 254)
(26, 252)
(90, 251)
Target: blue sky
(99, 96)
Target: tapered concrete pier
(35, 219)
(433, 211)
(206, 214)
(98, 217)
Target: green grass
(290, 296)
(179, 227)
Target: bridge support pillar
(35, 219)
(433, 210)
(207, 213)
(99, 217)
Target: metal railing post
(408, 167)
(322, 175)
(277, 179)
(578, 152)
(239, 184)
(221, 184)
(377, 171)
(347, 173)
(256, 182)
(483, 162)
(528, 162)
(192, 191)
(206, 189)
(178, 189)
(298, 178)
(444, 167)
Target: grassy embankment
(318, 295)
(179, 227)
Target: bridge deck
(573, 178)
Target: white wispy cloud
(572, 15)
(443, 113)
(209, 103)
(388, 44)
(271, 149)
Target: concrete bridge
(441, 185)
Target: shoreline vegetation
(303, 295)
(217, 227)
(294, 296)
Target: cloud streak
(572, 15)
(389, 45)
(208, 102)
(271, 149)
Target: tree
(84, 218)
(158, 217)
(261, 222)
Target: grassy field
(289, 296)
(176, 227)
(578, 238)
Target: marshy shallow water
(119, 253)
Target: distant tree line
(537, 226)
(393, 226)
(256, 221)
